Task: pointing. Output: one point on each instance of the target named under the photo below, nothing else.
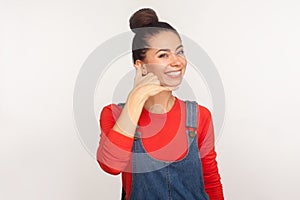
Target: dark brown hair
(145, 24)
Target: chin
(173, 87)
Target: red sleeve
(114, 150)
(212, 179)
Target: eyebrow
(168, 49)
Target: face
(166, 58)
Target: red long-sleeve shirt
(159, 134)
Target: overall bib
(153, 179)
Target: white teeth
(174, 73)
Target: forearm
(114, 152)
(117, 132)
(129, 117)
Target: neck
(160, 103)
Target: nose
(175, 60)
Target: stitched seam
(168, 183)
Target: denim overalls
(160, 180)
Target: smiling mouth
(174, 74)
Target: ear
(138, 63)
(141, 64)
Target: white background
(254, 45)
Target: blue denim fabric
(183, 179)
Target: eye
(164, 55)
(180, 52)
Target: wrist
(137, 97)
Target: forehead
(164, 40)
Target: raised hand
(144, 87)
(147, 85)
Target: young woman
(162, 145)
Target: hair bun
(143, 17)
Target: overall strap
(121, 105)
(191, 119)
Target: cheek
(184, 64)
(184, 61)
(155, 69)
